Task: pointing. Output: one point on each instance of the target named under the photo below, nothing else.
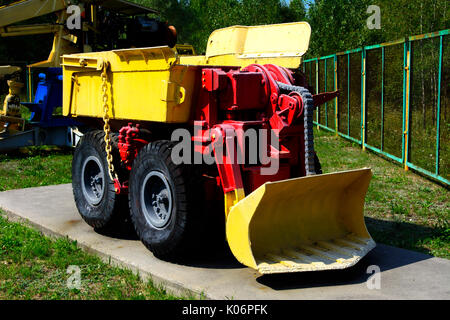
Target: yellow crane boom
(26, 9)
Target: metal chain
(308, 111)
(106, 127)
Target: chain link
(308, 110)
(106, 127)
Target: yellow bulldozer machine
(173, 133)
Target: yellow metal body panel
(158, 84)
(271, 41)
(280, 44)
(143, 84)
(236, 61)
(302, 224)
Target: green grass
(402, 208)
(33, 266)
(37, 166)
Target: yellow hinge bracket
(172, 92)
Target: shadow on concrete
(384, 256)
(122, 231)
(210, 252)
(215, 254)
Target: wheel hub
(156, 199)
(93, 182)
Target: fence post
(406, 101)
(336, 120)
(363, 98)
(30, 84)
(325, 90)
(348, 94)
(317, 89)
(382, 98)
(439, 104)
(310, 74)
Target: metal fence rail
(393, 100)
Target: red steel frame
(232, 100)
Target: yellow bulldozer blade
(302, 224)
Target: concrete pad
(404, 274)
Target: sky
(306, 2)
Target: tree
(339, 25)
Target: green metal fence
(394, 100)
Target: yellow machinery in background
(10, 112)
(92, 30)
(89, 25)
(292, 219)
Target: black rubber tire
(175, 239)
(112, 208)
(317, 165)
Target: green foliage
(196, 19)
(337, 25)
(402, 18)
